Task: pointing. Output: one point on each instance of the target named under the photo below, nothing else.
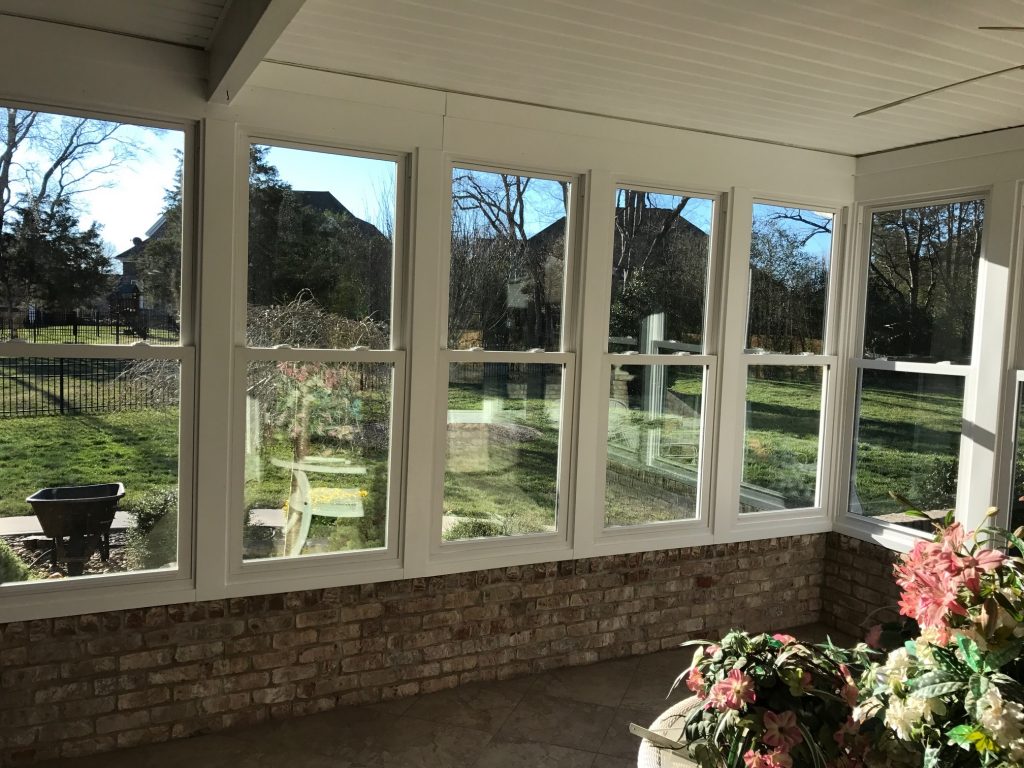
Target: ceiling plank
(249, 29)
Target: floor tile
(481, 706)
(610, 761)
(603, 683)
(618, 741)
(525, 754)
(562, 722)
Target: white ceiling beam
(247, 32)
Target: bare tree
(46, 161)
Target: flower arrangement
(769, 701)
(953, 696)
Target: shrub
(153, 539)
(473, 529)
(11, 566)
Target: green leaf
(959, 735)
(972, 656)
(933, 678)
(940, 689)
(931, 757)
(978, 684)
(1007, 653)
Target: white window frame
(970, 483)
(335, 568)
(730, 523)
(652, 535)
(36, 599)
(450, 556)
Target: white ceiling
(776, 70)
(183, 22)
(787, 71)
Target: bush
(11, 566)
(473, 529)
(153, 538)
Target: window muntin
(922, 282)
(94, 262)
(781, 439)
(907, 443)
(652, 467)
(659, 272)
(790, 254)
(321, 378)
(510, 379)
(321, 250)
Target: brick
(198, 652)
(146, 698)
(122, 721)
(146, 659)
(294, 638)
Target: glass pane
(91, 226)
(95, 444)
(790, 249)
(1017, 500)
(501, 466)
(320, 249)
(922, 281)
(507, 261)
(654, 415)
(317, 448)
(908, 444)
(780, 455)
(659, 272)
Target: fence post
(62, 385)
(117, 330)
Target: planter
(78, 519)
(670, 725)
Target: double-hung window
(915, 357)
(96, 357)
(507, 373)
(322, 368)
(657, 367)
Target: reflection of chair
(325, 502)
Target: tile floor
(568, 718)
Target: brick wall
(858, 581)
(91, 683)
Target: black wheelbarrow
(78, 519)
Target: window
(656, 362)
(508, 359)
(786, 357)
(917, 346)
(96, 375)
(322, 369)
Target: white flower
(903, 715)
(896, 668)
(1003, 720)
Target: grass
(138, 448)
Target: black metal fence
(81, 327)
(38, 386)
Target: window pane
(659, 272)
(507, 261)
(908, 444)
(780, 458)
(320, 249)
(922, 282)
(501, 466)
(1017, 500)
(790, 250)
(76, 434)
(654, 415)
(317, 448)
(92, 230)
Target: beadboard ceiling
(191, 23)
(776, 70)
(786, 71)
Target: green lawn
(89, 334)
(138, 448)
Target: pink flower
(733, 692)
(712, 649)
(780, 730)
(849, 728)
(695, 682)
(776, 759)
(784, 639)
(849, 691)
(874, 637)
